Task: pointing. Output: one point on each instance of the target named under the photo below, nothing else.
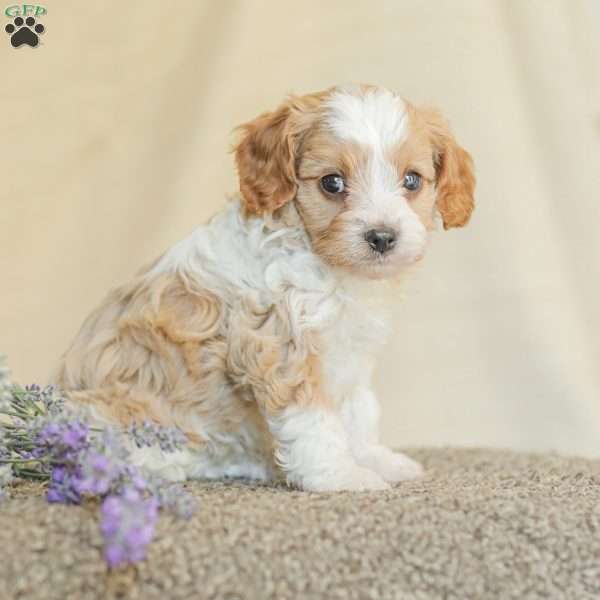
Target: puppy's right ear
(266, 155)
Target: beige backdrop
(115, 138)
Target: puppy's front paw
(391, 466)
(349, 478)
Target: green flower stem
(29, 474)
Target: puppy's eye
(412, 181)
(333, 184)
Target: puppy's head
(366, 170)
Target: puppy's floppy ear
(455, 178)
(266, 155)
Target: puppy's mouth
(385, 266)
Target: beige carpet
(482, 524)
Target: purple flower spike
(115, 555)
(175, 499)
(62, 439)
(97, 473)
(63, 488)
(127, 524)
(146, 433)
(75, 436)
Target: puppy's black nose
(381, 240)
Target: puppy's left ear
(266, 154)
(455, 178)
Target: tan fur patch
(454, 171)
(279, 367)
(266, 154)
(154, 349)
(323, 155)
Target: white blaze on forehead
(375, 117)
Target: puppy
(256, 334)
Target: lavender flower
(63, 486)
(169, 439)
(127, 524)
(97, 473)
(52, 399)
(174, 498)
(104, 466)
(41, 438)
(59, 437)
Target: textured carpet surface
(481, 524)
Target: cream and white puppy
(256, 335)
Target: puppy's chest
(350, 344)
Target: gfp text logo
(24, 29)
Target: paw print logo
(24, 32)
